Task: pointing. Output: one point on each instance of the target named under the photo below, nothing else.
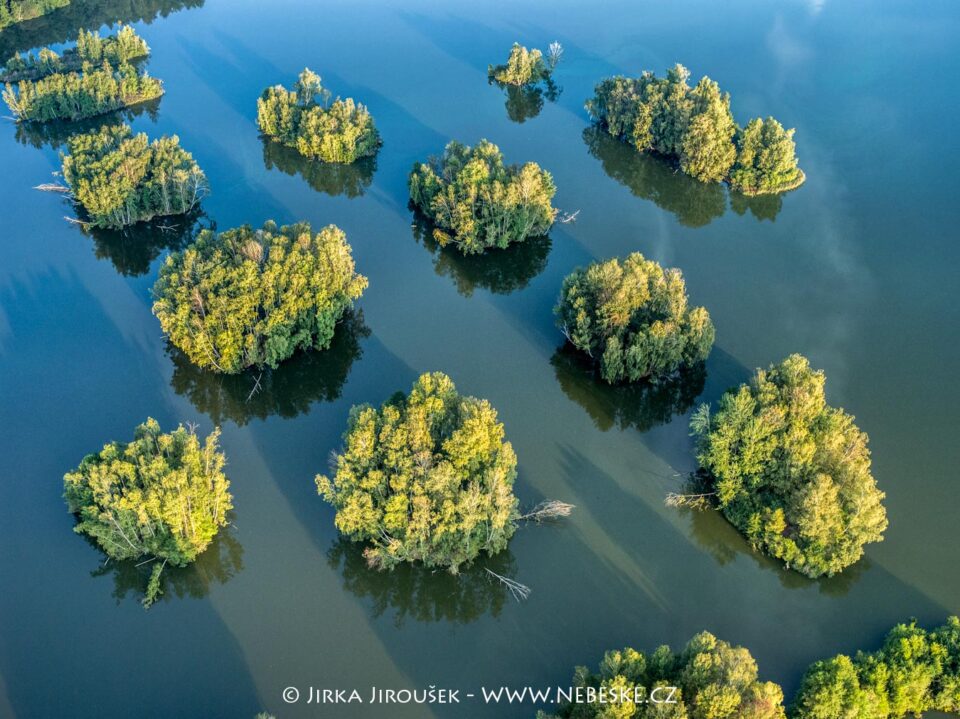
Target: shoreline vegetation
(694, 128)
(119, 179)
(304, 118)
(915, 671)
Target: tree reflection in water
(641, 405)
(287, 391)
(525, 102)
(411, 591)
(333, 178)
(496, 270)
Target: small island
(119, 178)
(709, 679)
(632, 319)
(123, 47)
(476, 202)
(251, 298)
(789, 471)
(526, 67)
(161, 498)
(428, 477)
(695, 128)
(304, 118)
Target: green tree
(695, 128)
(162, 497)
(632, 319)
(427, 477)
(713, 680)
(119, 178)
(766, 159)
(343, 132)
(15, 11)
(247, 297)
(477, 202)
(523, 67)
(791, 472)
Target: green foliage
(248, 297)
(524, 67)
(632, 319)
(791, 472)
(14, 11)
(476, 202)
(694, 127)
(120, 178)
(714, 680)
(79, 95)
(332, 178)
(162, 496)
(766, 159)
(118, 49)
(426, 478)
(915, 671)
(343, 132)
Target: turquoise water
(856, 269)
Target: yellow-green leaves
(119, 178)
(426, 478)
(341, 132)
(632, 319)
(476, 202)
(524, 67)
(161, 496)
(791, 472)
(249, 297)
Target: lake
(857, 270)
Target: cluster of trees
(14, 11)
(304, 118)
(248, 297)
(119, 178)
(708, 679)
(694, 126)
(916, 671)
(633, 320)
(789, 471)
(78, 95)
(162, 497)
(525, 67)
(123, 47)
(476, 202)
(427, 477)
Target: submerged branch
(519, 591)
(548, 509)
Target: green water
(857, 269)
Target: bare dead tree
(517, 590)
(693, 501)
(546, 510)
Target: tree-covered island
(119, 178)
(789, 471)
(246, 297)
(632, 319)
(304, 118)
(162, 498)
(428, 477)
(526, 67)
(123, 47)
(693, 126)
(477, 202)
(914, 672)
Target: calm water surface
(857, 269)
